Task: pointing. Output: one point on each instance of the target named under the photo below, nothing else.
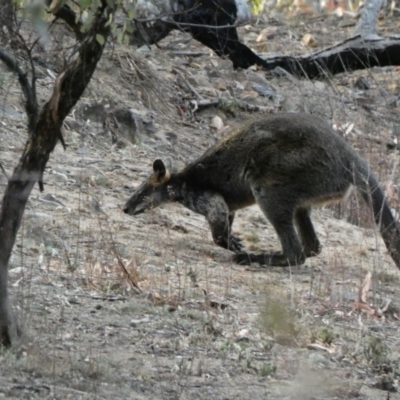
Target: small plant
(386, 277)
(193, 276)
(267, 370)
(277, 319)
(326, 336)
(246, 359)
(252, 238)
(376, 351)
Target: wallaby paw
(312, 251)
(235, 244)
(273, 259)
(9, 329)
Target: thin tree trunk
(367, 26)
(43, 138)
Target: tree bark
(42, 140)
(367, 26)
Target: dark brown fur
(285, 163)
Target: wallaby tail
(374, 196)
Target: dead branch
(31, 107)
(365, 50)
(68, 15)
(191, 88)
(353, 54)
(224, 105)
(186, 53)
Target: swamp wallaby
(285, 163)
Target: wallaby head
(153, 191)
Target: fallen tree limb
(228, 106)
(353, 54)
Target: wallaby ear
(159, 169)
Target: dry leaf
(347, 128)
(365, 307)
(316, 346)
(252, 94)
(221, 86)
(263, 35)
(217, 124)
(309, 41)
(243, 335)
(362, 303)
(362, 293)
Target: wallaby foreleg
(220, 219)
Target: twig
(162, 18)
(183, 24)
(239, 103)
(192, 89)
(188, 53)
(253, 107)
(124, 269)
(68, 15)
(30, 97)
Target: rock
(128, 124)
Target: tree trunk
(68, 88)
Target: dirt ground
(201, 327)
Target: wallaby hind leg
(309, 240)
(279, 207)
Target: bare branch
(352, 54)
(191, 88)
(29, 91)
(183, 24)
(69, 16)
